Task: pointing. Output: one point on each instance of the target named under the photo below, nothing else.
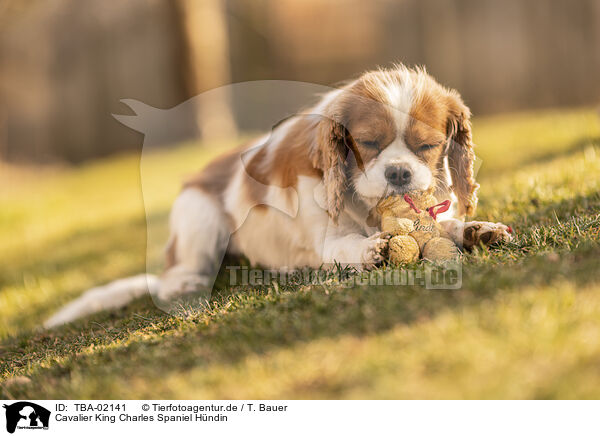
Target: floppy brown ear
(461, 155)
(330, 157)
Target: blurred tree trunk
(204, 25)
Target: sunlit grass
(506, 142)
(523, 325)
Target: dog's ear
(461, 155)
(330, 154)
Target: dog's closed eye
(370, 144)
(428, 147)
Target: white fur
(198, 252)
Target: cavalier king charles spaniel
(303, 195)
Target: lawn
(524, 324)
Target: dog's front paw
(375, 250)
(485, 233)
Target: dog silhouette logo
(26, 415)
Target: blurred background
(65, 64)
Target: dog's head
(394, 131)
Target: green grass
(525, 323)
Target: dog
(303, 195)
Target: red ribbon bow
(441, 207)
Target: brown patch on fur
(359, 121)
(425, 133)
(256, 183)
(215, 177)
(367, 118)
(281, 164)
(439, 117)
(329, 155)
(428, 120)
(461, 155)
(264, 164)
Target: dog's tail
(111, 296)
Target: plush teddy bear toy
(411, 220)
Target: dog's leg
(199, 237)
(473, 233)
(357, 250)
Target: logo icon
(26, 415)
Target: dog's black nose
(398, 175)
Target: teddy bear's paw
(376, 250)
(485, 234)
